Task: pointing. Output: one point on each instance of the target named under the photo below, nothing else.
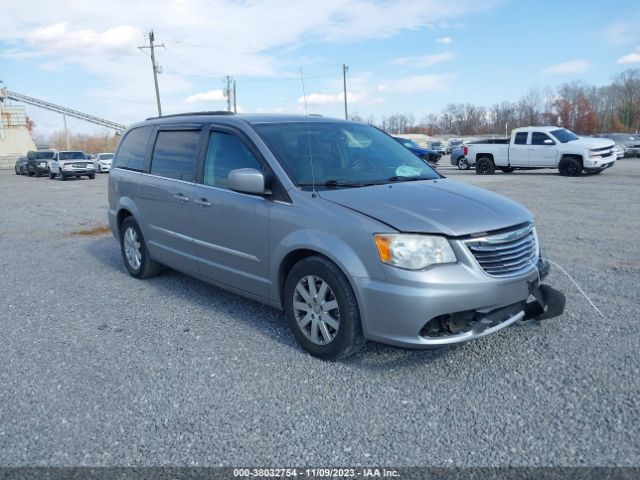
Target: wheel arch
(293, 249)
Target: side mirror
(548, 141)
(247, 180)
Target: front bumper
(103, 168)
(597, 166)
(40, 168)
(78, 171)
(468, 302)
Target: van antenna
(306, 113)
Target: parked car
(21, 166)
(67, 164)
(37, 162)
(430, 156)
(103, 161)
(459, 158)
(543, 147)
(332, 221)
(453, 144)
(628, 144)
(436, 146)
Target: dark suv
(37, 162)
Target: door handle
(181, 197)
(203, 202)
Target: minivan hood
(432, 206)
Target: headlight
(413, 252)
(67, 167)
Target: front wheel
(322, 310)
(62, 176)
(463, 164)
(569, 167)
(485, 166)
(51, 175)
(92, 176)
(134, 251)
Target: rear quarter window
(132, 150)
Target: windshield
(343, 154)
(71, 156)
(563, 135)
(436, 144)
(41, 155)
(408, 143)
(453, 143)
(105, 156)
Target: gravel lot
(97, 368)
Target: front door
(542, 151)
(231, 228)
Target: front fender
(327, 244)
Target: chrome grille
(506, 254)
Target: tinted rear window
(521, 138)
(131, 152)
(174, 155)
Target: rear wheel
(463, 164)
(485, 166)
(92, 176)
(322, 310)
(134, 251)
(569, 167)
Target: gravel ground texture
(98, 368)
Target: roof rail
(185, 114)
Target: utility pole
(345, 69)
(66, 131)
(156, 68)
(235, 106)
(228, 92)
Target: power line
(156, 68)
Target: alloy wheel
(316, 310)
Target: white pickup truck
(543, 147)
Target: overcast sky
(404, 56)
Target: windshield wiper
(400, 178)
(332, 183)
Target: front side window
(175, 154)
(131, 152)
(340, 154)
(226, 152)
(538, 138)
(521, 138)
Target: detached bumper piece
(548, 303)
(464, 326)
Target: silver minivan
(332, 221)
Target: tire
(485, 166)
(345, 331)
(17, 172)
(569, 167)
(29, 173)
(136, 258)
(62, 177)
(463, 164)
(92, 176)
(507, 169)
(51, 175)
